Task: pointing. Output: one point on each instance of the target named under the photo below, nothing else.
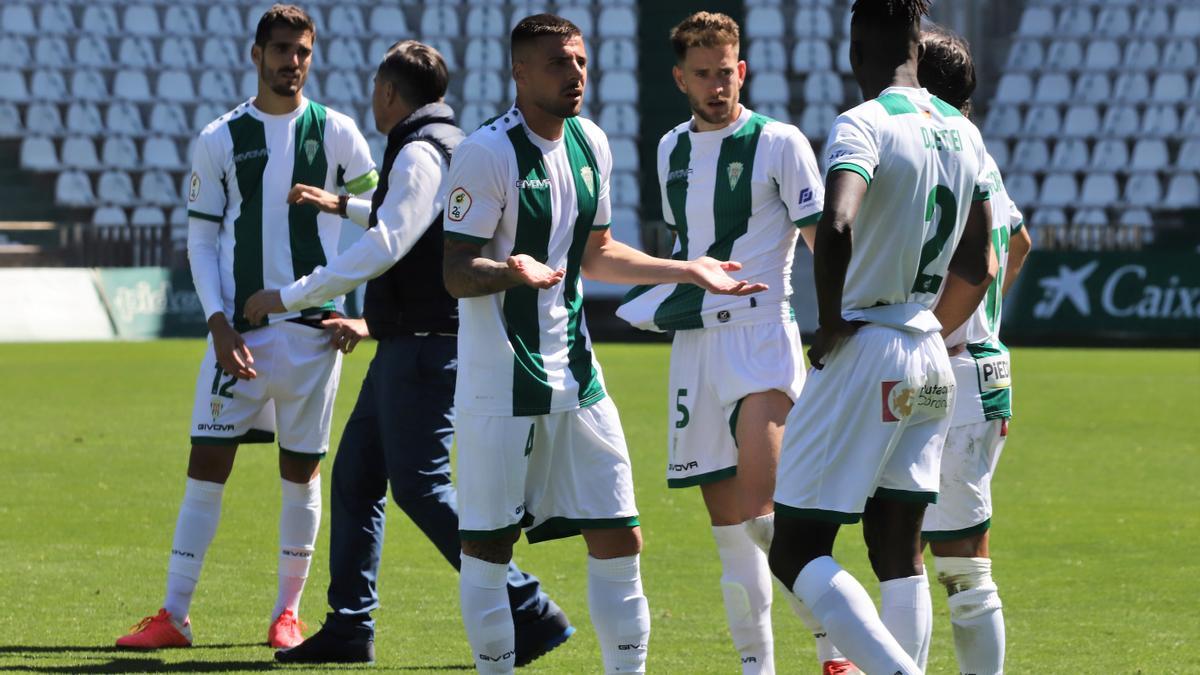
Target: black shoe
(330, 646)
(542, 637)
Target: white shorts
(964, 506)
(551, 474)
(712, 370)
(298, 371)
(871, 423)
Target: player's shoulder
(216, 128)
(493, 133)
(776, 131)
(671, 138)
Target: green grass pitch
(1096, 537)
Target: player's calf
(975, 613)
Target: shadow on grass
(144, 665)
(7, 650)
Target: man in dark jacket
(400, 430)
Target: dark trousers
(400, 432)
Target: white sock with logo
(194, 530)
(299, 519)
(907, 610)
(486, 614)
(620, 613)
(746, 587)
(842, 605)
(975, 613)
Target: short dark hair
(288, 16)
(888, 13)
(537, 26)
(417, 70)
(946, 68)
(704, 29)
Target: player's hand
(828, 337)
(713, 276)
(232, 353)
(533, 273)
(345, 334)
(262, 303)
(307, 194)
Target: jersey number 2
(942, 198)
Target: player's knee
(608, 543)
(211, 463)
(785, 566)
(974, 546)
(969, 586)
(498, 550)
(298, 469)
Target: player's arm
(832, 246)
(468, 274)
(1019, 245)
(972, 270)
(800, 186)
(608, 260)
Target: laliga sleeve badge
(194, 187)
(458, 204)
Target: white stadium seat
(1003, 121)
(813, 22)
(1120, 120)
(1150, 154)
(48, 85)
(18, 19)
(206, 112)
(1047, 217)
(474, 114)
(1170, 88)
(51, 51)
(625, 190)
(1131, 88)
(625, 154)
(12, 86)
(483, 86)
(100, 19)
(88, 85)
(484, 53)
(1093, 88)
(769, 88)
(1041, 121)
(137, 52)
(1099, 190)
(79, 152)
(157, 188)
(811, 55)
(1110, 154)
(343, 85)
(249, 85)
(1179, 55)
(999, 151)
(223, 20)
(1014, 88)
(177, 54)
(220, 52)
(1183, 191)
(84, 118)
(1069, 155)
(1075, 21)
(131, 85)
(1081, 121)
(119, 152)
(1021, 187)
(73, 188)
(1090, 217)
(1141, 55)
(817, 120)
(824, 87)
(619, 119)
(842, 56)
(1031, 155)
(216, 85)
(1064, 55)
(1059, 190)
(617, 22)
(1102, 55)
(141, 20)
(178, 220)
(1189, 155)
(1143, 189)
(776, 111)
(580, 15)
(41, 118)
(1114, 22)
(486, 21)
(1137, 218)
(764, 22)
(619, 86)
(168, 119)
(160, 152)
(618, 54)
(1036, 22)
(92, 50)
(148, 216)
(109, 216)
(387, 21)
(345, 53)
(176, 85)
(1151, 22)
(445, 47)
(14, 51)
(768, 55)
(1160, 121)
(1187, 22)
(439, 21)
(181, 19)
(1053, 88)
(123, 117)
(1026, 56)
(346, 21)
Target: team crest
(216, 405)
(310, 149)
(589, 179)
(734, 171)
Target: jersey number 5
(684, 415)
(943, 199)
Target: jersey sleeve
(799, 180)
(604, 194)
(664, 171)
(853, 146)
(356, 168)
(477, 194)
(1016, 220)
(206, 187)
(983, 182)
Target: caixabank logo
(1130, 290)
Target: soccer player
(735, 185)
(957, 526)
(865, 437)
(540, 444)
(242, 236)
(400, 430)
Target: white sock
(299, 518)
(194, 529)
(975, 614)
(746, 587)
(487, 615)
(907, 610)
(620, 613)
(826, 650)
(842, 605)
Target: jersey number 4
(943, 199)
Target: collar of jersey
(720, 134)
(257, 112)
(543, 144)
(905, 90)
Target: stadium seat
(181, 19)
(38, 154)
(1137, 218)
(1075, 21)
(1041, 121)
(109, 216)
(119, 152)
(1179, 55)
(168, 119)
(79, 152)
(346, 21)
(619, 86)
(1003, 121)
(1059, 189)
(1022, 188)
(1070, 154)
(343, 85)
(1025, 56)
(1090, 217)
(768, 55)
(1151, 22)
(521, 9)
(42, 119)
(12, 86)
(157, 188)
(160, 152)
(1150, 154)
(52, 52)
(131, 85)
(223, 20)
(999, 151)
(48, 85)
(100, 19)
(1110, 154)
(445, 47)
(1160, 121)
(1099, 190)
(141, 20)
(1102, 55)
(88, 85)
(123, 117)
(1036, 22)
(1187, 22)
(619, 119)
(175, 85)
(178, 220)
(580, 15)
(764, 22)
(147, 216)
(813, 22)
(1053, 88)
(823, 87)
(1131, 88)
(1031, 154)
(1141, 55)
(14, 52)
(811, 55)
(73, 188)
(624, 189)
(1063, 55)
(473, 115)
(1093, 88)
(816, 121)
(1183, 191)
(204, 113)
(177, 54)
(439, 21)
(1143, 189)
(769, 88)
(842, 56)
(17, 19)
(618, 54)
(387, 21)
(1014, 88)
(625, 154)
(1048, 217)
(484, 53)
(625, 227)
(1081, 121)
(215, 85)
(1114, 22)
(345, 53)
(1170, 88)
(1120, 120)
(136, 52)
(84, 118)
(1189, 155)
(485, 22)
(220, 52)
(617, 22)
(483, 86)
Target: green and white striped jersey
(736, 193)
(982, 370)
(527, 351)
(924, 163)
(243, 166)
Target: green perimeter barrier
(150, 302)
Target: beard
(281, 84)
(701, 109)
(560, 108)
